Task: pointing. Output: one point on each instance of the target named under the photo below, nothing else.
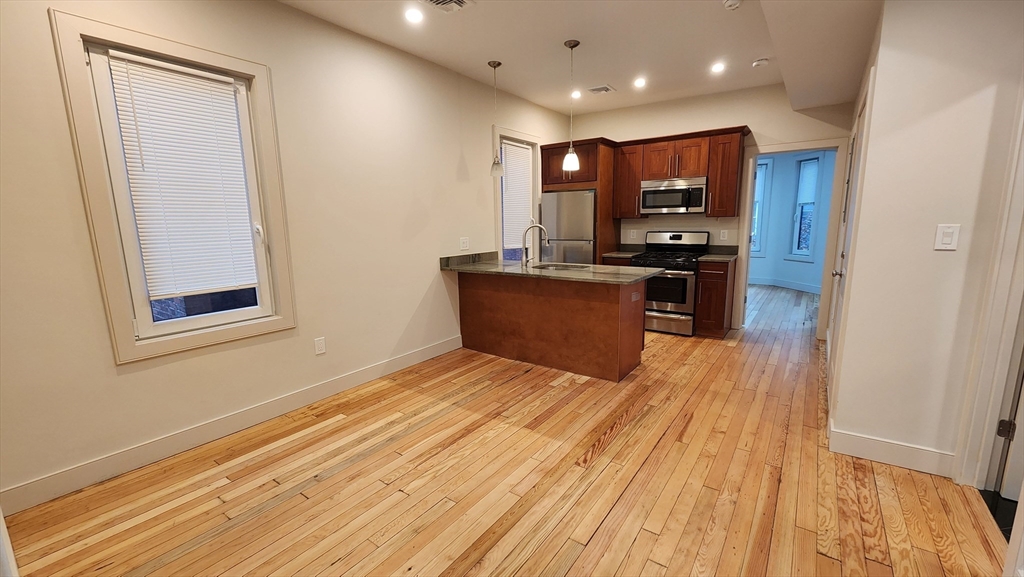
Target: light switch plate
(947, 236)
(464, 243)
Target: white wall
(775, 264)
(385, 161)
(939, 144)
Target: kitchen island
(587, 319)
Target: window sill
(799, 258)
(130, 350)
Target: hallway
(710, 458)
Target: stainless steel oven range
(670, 295)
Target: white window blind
(516, 193)
(808, 187)
(757, 221)
(187, 178)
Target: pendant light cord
(571, 50)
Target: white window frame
(793, 255)
(104, 190)
(766, 194)
(499, 133)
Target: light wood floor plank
(711, 458)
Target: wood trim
(598, 140)
(743, 130)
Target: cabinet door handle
(637, 213)
(712, 272)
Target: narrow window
(803, 219)
(516, 197)
(758, 222)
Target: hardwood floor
(710, 458)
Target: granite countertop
(622, 254)
(589, 273)
(717, 258)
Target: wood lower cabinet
(628, 168)
(725, 165)
(615, 261)
(679, 158)
(551, 164)
(713, 310)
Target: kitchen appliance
(670, 295)
(673, 196)
(568, 217)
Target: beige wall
(385, 162)
(939, 142)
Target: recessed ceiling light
(718, 67)
(640, 82)
(576, 94)
(414, 15)
(759, 62)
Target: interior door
(840, 269)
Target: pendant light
(571, 162)
(496, 168)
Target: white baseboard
(797, 286)
(42, 489)
(904, 455)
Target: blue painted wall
(776, 265)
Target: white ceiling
(671, 43)
(822, 47)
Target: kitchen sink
(561, 266)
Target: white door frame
(993, 350)
(751, 152)
(533, 141)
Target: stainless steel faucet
(526, 233)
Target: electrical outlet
(464, 243)
(723, 235)
(632, 234)
(320, 345)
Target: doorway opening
(789, 226)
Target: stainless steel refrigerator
(569, 219)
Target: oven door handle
(677, 273)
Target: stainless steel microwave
(674, 196)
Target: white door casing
(846, 241)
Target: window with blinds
(803, 219)
(179, 150)
(516, 197)
(759, 212)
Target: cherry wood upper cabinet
(551, 163)
(724, 166)
(683, 158)
(659, 160)
(626, 190)
(692, 157)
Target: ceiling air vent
(603, 89)
(449, 6)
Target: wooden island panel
(593, 329)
